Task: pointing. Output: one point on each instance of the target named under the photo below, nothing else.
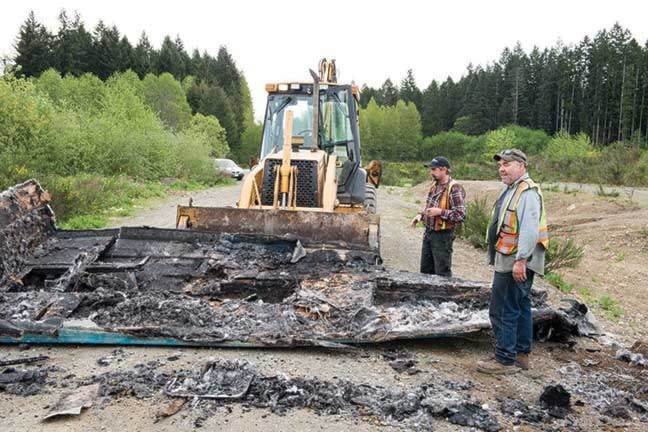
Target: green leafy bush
(453, 145)
(404, 173)
(91, 195)
(477, 219)
(617, 163)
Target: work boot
(522, 361)
(493, 367)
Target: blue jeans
(510, 316)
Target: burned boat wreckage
(177, 287)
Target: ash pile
(216, 289)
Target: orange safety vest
(507, 225)
(441, 224)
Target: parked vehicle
(228, 167)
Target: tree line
(213, 85)
(598, 87)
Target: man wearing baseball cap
(444, 209)
(517, 240)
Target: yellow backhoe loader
(309, 183)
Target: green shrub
(477, 219)
(453, 145)
(556, 280)
(617, 163)
(86, 195)
(404, 173)
(84, 222)
(496, 141)
(610, 306)
(530, 141)
(567, 148)
(562, 253)
(608, 194)
(586, 294)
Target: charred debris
(209, 288)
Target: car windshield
(225, 163)
(334, 122)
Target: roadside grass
(643, 232)
(84, 222)
(586, 294)
(610, 306)
(557, 280)
(606, 303)
(88, 202)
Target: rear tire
(371, 198)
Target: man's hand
(519, 271)
(434, 211)
(416, 220)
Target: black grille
(306, 182)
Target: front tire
(371, 198)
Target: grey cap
(511, 155)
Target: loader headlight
(283, 87)
(295, 86)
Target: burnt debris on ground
(212, 288)
(216, 384)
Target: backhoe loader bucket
(355, 231)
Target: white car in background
(229, 168)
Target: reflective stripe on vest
(507, 225)
(444, 203)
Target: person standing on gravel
(444, 209)
(517, 240)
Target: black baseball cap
(438, 162)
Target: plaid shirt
(457, 211)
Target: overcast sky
(279, 40)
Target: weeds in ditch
(557, 280)
(610, 306)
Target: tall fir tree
(409, 91)
(33, 47)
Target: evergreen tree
(409, 91)
(212, 100)
(388, 94)
(72, 47)
(107, 52)
(366, 94)
(33, 47)
(170, 59)
(431, 110)
(144, 57)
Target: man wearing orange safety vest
(444, 209)
(517, 240)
